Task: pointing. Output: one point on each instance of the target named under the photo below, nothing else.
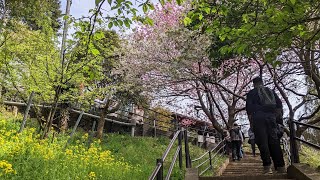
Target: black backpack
(267, 97)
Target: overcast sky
(78, 7)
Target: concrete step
(246, 177)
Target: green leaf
(99, 35)
(144, 8)
(120, 22)
(95, 52)
(179, 2)
(110, 1)
(110, 25)
(151, 6)
(127, 23)
(200, 17)
(65, 17)
(97, 2)
(241, 48)
(149, 21)
(187, 21)
(162, 2)
(207, 10)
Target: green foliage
(121, 156)
(248, 28)
(37, 14)
(163, 118)
(310, 156)
(29, 62)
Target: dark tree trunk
(63, 123)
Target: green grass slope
(25, 156)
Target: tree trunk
(52, 113)
(101, 122)
(63, 123)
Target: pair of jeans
(265, 131)
(236, 149)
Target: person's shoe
(239, 159)
(281, 170)
(233, 159)
(267, 170)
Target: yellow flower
(85, 136)
(92, 175)
(7, 167)
(69, 152)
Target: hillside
(25, 156)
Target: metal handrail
(156, 170)
(308, 143)
(293, 138)
(202, 172)
(223, 141)
(217, 149)
(199, 165)
(308, 125)
(210, 158)
(172, 163)
(164, 156)
(194, 160)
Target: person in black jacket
(262, 105)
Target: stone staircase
(249, 168)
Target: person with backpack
(236, 141)
(262, 105)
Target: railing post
(160, 173)
(180, 146)
(26, 112)
(155, 128)
(293, 143)
(186, 146)
(210, 159)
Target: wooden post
(180, 146)
(155, 128)
(210, 159)
(133, 124)
(160, 173)
(26, 112)
(186, 146)
(132, 130)
(90, 137)
(74, 129)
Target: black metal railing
(158, 172)
(294, 151)
(286, 148)
(210, 156)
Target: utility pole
(64, 37)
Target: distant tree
(37, 14)
(162, 118)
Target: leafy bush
(310, 156)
